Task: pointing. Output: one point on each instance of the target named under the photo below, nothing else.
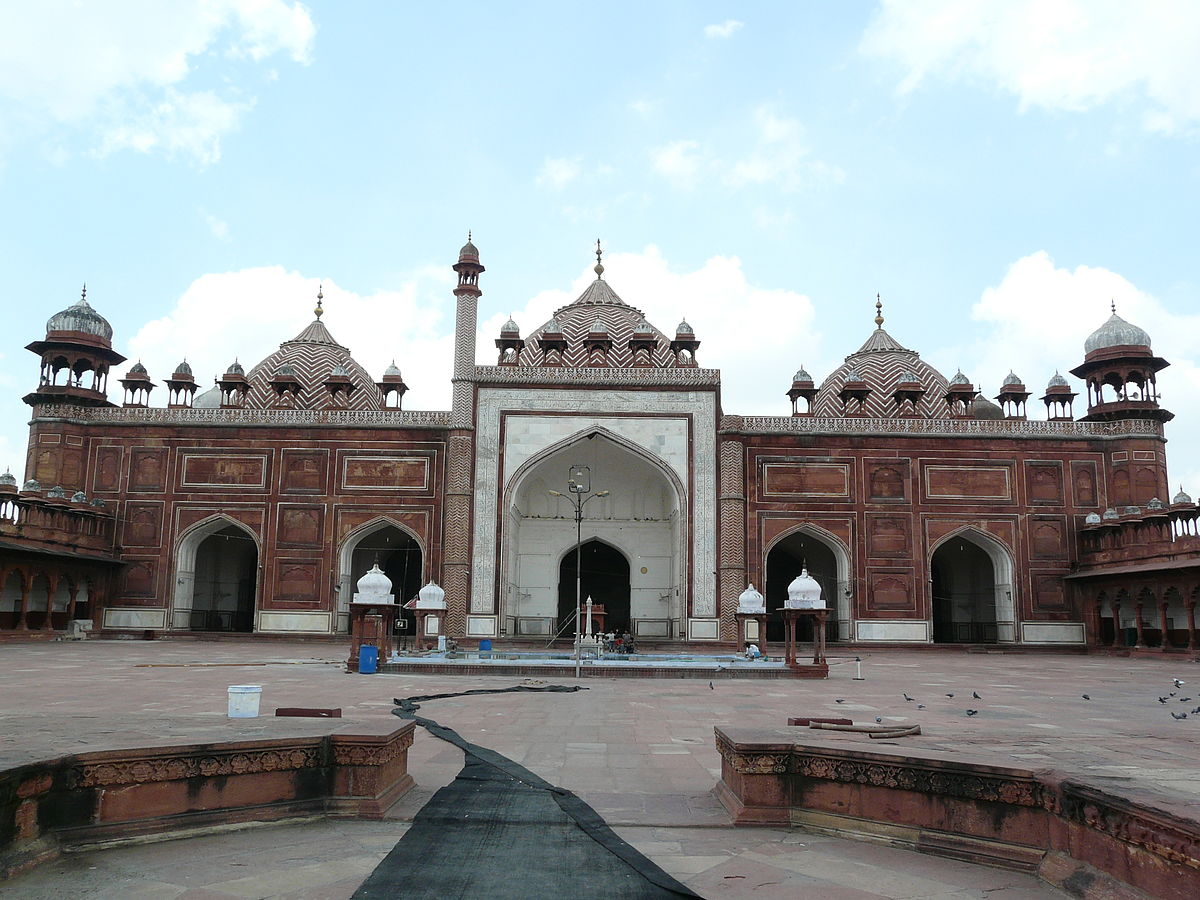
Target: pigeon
(1196, 710)
(920, 706)
(710, 687)
(975, 694)
(1178, 715)
(1172, 694)
(950, 695)
(972, 712)
(839, 700)
(1085, 696)
(879, 718)
(1178, 683)
(908, 698)
(1162, 699)
(1184, 699)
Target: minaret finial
(1113, 305)
(878, 312)
(468, 235)
(320, 299)
(599, 268)
(83, 295)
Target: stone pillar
(26, 586)
(1190, 608)
(744, 639)
(73, 592)
(1118, 632)
(731, 531)
(51, 590)
(1137, 622)
(1162, 616)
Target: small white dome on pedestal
(751, 602)
(804, 593)
(431, 597)
(374, 587)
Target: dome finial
(599, 268)
(320, 299)
(83, 294)
(1113, 305)
(468, 235)
(878, 312)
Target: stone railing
(1016, 428)
(274, 418)
(34, 523)
(636, 376)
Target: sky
(999, 172)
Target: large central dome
(883, 363)
(313, 355)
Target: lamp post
(579, 484)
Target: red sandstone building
(927, 513)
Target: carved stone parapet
(272, 418)
(594, 376)
(940, 427)
(163, 765)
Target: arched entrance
(785, 560)
(634, 520)
(971, 581)
(604, 576)
(401, 557)
(216, 577)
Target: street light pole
(579, 482)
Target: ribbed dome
(340, 371)
(1057, 380)
(32, 485)
(8, 479)
(802, 376)
(431, 597)
(1116, 332)
(983, 408)
(804, 593)
(469, 253)
(643, 329)
(80, 317)
(1012, 378)
(137, 369)
(235, 369)
(375, 585)
(1092, 518)
(1181, 497)
(311, 357)
(751, 601)
(883, 363)
(510, 327)
(393, 369)
(684, 328)
(183, 368)
(960, 380)
(554, 326)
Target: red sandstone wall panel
(300, 525)
(106, 476)
(888, 480)
(806, 479)
(891, 591)
(888, 536)
(1048, 537)
(305, 471)
(142, 523)
(1048, 592)
(968, 482)
(379, 471)
(1044, 483)
(216, 471)
(297, 580)
(1083, 483)
(139, 578)
(148, 469)
(188, 514)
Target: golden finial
(599, 267)
(320, 298)
(878, 312)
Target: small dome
(1092, 518)
(8, 479)
(235, 369)
(32, 486)
(1181, 497)
(510, 327)
(853, 375)
(1110, 514)
(392, 370)
(183, 368)
(960, 380)
(643, 328)
(598, 327)
(431, 597)
(340, 371)
(286, 369)
(1056, 380)
(58, 492)
(1116, 332)
(802, 376)
(804, 593)
(1012, 378)
(1155, 503)
(1131, 511)
(553, 326)
(80, 317)
(98, 503)
(79, 497)
(374, 587)
(684, 328)
(909, 377)
(751, 601)
(469, 252)
(137, 369)
(982, 408)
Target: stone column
(72, 592)
(1118, 633)
(1137, 621)
(51, 590)
(1190, 608)
(731, 531)
(26, 585)
(1162, 616)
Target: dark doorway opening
(964, 594)
(226, 582)
(604, 577)
(399, 556)
(784, 563)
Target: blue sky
(997, 171)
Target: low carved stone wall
(1075, 835)
(72, 800)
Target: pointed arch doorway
(399, 556)
(971, 590)
(604, 576)
(216, 584)
(785, 560)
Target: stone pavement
(640, 751)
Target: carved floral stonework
(393, 418)
(1001, 427)
(1110, 816)
(174, 768)
(371, 754)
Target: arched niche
(605, 578)
(216, 577)
(401, 555)
(827, 560)
(971, 578)
(643, 516)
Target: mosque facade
(595, 459)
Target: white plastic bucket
(243, 700)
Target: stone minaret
(460, 463)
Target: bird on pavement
(1178, 715)
(972, 712)
(975, 694)
(840, 700)
(1178, 683)
(920, 706)
(1085, 696)
(951, 696)
(908, 698)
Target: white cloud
(726, 310)
(248, 313)
(1040, 316)
(1054, 54)
(679, 162)
(725, 30)
(558, 173)
(121, 70)
(218, 227)
(643, 108)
